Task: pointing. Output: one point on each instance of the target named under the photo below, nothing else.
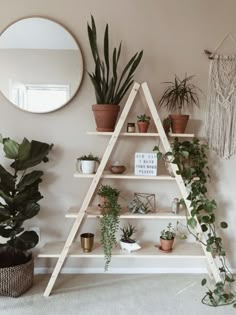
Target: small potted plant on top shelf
(167, 238)
(126, 242)
(87, 163)
(143, 122)
(179, 94)
(109, 82)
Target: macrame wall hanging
(220, 122)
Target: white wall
(173, 35)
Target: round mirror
(41, 65)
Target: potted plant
(167, 238)
(126, 242)
(179, 94)
(19, 191)
(109, 82)
(166, 124)
(109, 222)
(105, 193)
(143, 122)
(87, 163)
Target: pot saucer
(164, 251)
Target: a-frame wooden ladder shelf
(70, 248)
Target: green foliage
(143, 118)
(127, 232)
(89, 157)
(19, 191)
(109, 87)
(180, 93)
(109, 221)
(108, 191)
(192, 161)
(168, 233)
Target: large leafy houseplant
(109, 221)
(192, 161)
(19, 192)
(110, 84)
(180, 93)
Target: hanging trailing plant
(109, 221)
(192, 161)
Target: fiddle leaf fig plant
(192, 161)
(19, 192)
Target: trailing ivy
(192, 161)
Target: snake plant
(110, 87)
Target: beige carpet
(114, 295)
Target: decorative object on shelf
(19, 202)
(131, 127)
(166, 124)
(220, 122)
(117, 168)
(145, 164)
(167, 238)
(126, 242)
(87, 163)
(175, 206)
(109, 221)
(109, 87)
(179, 94)
(87, 241)
(142, 203)
(143, 123)
(192, 161)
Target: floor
(114, 295)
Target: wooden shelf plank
(137, 134)
(94, 212)
(125, 176)
(180, 250)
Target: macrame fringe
(220, 123)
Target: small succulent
(143, 118)
(89, 157)
(127, 232)
(168, 233)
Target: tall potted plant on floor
(19, 192)
(179, 94)
(110, 87)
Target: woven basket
(14, 281)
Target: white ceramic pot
(86, 167)
(130, 247)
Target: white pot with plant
(126, 242)
(87, 164)
(178, 95)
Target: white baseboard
(123, 270)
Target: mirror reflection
(41, 65)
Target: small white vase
(86, 167)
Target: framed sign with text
(145, 164)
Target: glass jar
(131, 127)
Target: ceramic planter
(105, 116)
(86, 166)
(179, 123)
(166, 245)
(143, 126)
(130, 247)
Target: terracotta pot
(166, 245)
(105, 116)
(179, 123)
(143, 126)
